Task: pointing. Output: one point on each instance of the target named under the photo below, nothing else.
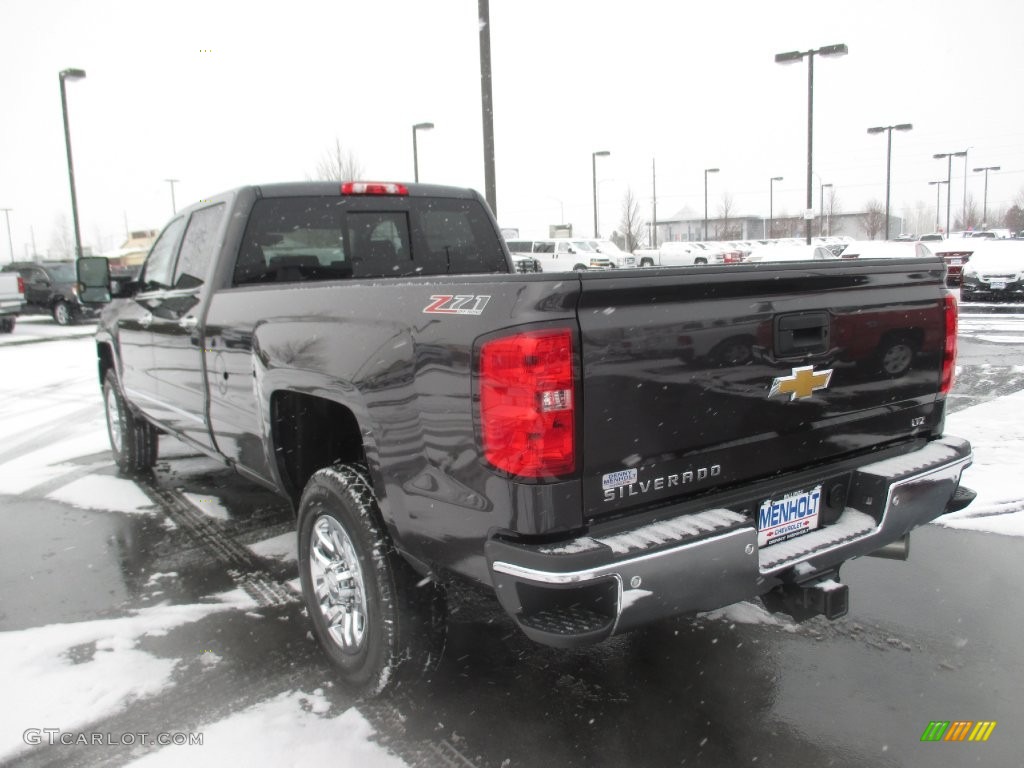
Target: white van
(561, 254)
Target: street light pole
(788, 58)
(415, 152)
(174, 207)
(706, 172)
(888, 162)
(938, 189)
(771, 204)
(984, 215)
(593, 172)
(949, 177)
(10, 244)
(71, 74)
(821, 208)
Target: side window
(157, 271)
(199, 247)
(562, 248)
(543, 247)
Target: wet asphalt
(934, 638)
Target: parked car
(955, 252)
(931, 237)
(995, 272)
(885, 249)
(51, 287)
(677, 253)
(12, 300)
(790, 253)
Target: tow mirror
(93, 280)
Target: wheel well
(309, 433)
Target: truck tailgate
(697, 379)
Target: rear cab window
(301, 239)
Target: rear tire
(374, 617)
(646, 262)
(6, 325)
(700, 260)
(63, 313)
(133, 440)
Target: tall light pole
(174, 206)
(415, 152)
(593, 173)
(653, 241)
(771, 204)
(10, 244)
(483, 10)
(938, 189)
(839, 49)
(821, 208)
(949, 177)
(71, 74)
(984, 215)
(888, 162)
(706, 172)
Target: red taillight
(949, 350)
(373, 188)
(21, 284)
(527, 403)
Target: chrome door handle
(189, 322)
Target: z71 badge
(456, 305)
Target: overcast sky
(224, 94)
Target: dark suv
(51, 287)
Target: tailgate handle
(802, 333)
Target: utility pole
(654, 205)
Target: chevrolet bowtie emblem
(801, 384)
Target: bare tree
(973, 219)
(631, 226)
(339, 165)
(725, 208)
(62, 243)
(873, 218)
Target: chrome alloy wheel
(338, 584)
(115, 420)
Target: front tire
(63, 313)
(7, 325)
(374, 617)
(133, 440)
(646, 262)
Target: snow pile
(995, 431)
(289, 729)
(748, 613)
(68, 675)
(283, 547)
(104, 492)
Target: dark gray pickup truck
(601, 449)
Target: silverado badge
(802, 384)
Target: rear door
(692, 383)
